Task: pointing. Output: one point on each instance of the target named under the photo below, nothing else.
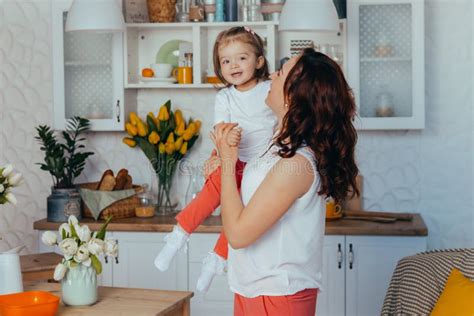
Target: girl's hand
(211, 164)
(234, 136)
(221, 138)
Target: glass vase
(79, 286)
(164, 205)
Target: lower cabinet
(356, 271)
(219, 300)
(135, 267)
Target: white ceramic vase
(79, 286)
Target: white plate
(169, 80)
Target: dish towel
(96, 200)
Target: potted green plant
(64, 161)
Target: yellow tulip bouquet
(164, 140)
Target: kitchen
(425, 169)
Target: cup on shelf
(162, 70)
(183, 74)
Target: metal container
(271, 9)
(62, 203)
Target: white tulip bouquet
(80, 246)
(8, 180)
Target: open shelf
(144, 40)
(172, 86)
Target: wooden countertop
(39, 266)
(39, 262)
(123, 301)
(213, 224)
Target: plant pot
(79, 286)
(62, 203)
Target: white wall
(429, 171)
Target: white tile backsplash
(428, 171)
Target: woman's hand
(211, 164)
(224, 139)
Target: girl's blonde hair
(244, 35)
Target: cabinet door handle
(106, 260)
(117, 108)
(116, 258)
(339, 256)
(351, 256)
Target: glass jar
(147, 205)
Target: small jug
(10, 271)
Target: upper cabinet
(150, 43)
(88, 75)
(386, 62)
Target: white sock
(211, 265)
(174, 241)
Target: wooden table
(124, 301)
(39, 266)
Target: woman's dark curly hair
(321, 108)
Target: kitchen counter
(213, 224)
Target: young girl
(240, 64)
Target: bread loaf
(108, 183)
(106, 172)
(121, 179)
(129, 183)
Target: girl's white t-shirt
(248, 108)
(288, 257)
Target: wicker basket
(120, 209)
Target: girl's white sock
(174, 241)
(211, 265)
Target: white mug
(162, 70)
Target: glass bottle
(254, 13)
(183, 11)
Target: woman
(276, 226)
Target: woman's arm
(288, 180)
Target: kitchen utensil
(372, 219)
(399, 216)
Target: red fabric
(302, 303)
(205, 203)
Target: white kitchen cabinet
(356, 270)
(386, 62)
(330, 300)
(219, 300)
(370, 261)
(356, 274)
(135, 267)
(88, 75)
(144, 40)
